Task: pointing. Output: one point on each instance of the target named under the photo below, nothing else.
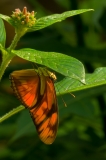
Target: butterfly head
(45, 72)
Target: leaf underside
(68, 84)
(65, 65)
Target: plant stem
(14, 42)
(7, 55)
(12, 112)
(5, 63)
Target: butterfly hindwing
(45, 114)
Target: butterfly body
(35, 89)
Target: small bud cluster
(24, 18)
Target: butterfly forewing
(25, 84)
(36, 91)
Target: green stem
(14, 42)
(12, 112)
(7, 55)
(19, 33)
(6, 60)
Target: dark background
(82, 129)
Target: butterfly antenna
(72, 95)
(64, 102)
(63, 99)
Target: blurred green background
(82, 128)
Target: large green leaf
(2, 33)
(68, 84)
(49, 20)
(66, 65)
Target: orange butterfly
(35, 89)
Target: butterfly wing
(36, 91)
(25, 84)
(45, 113)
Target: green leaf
(68, 84)
(6, 18)
(66, 65)
(2, 33)
(49, 20)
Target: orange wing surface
(35, 89)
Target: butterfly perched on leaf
(35, 89)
